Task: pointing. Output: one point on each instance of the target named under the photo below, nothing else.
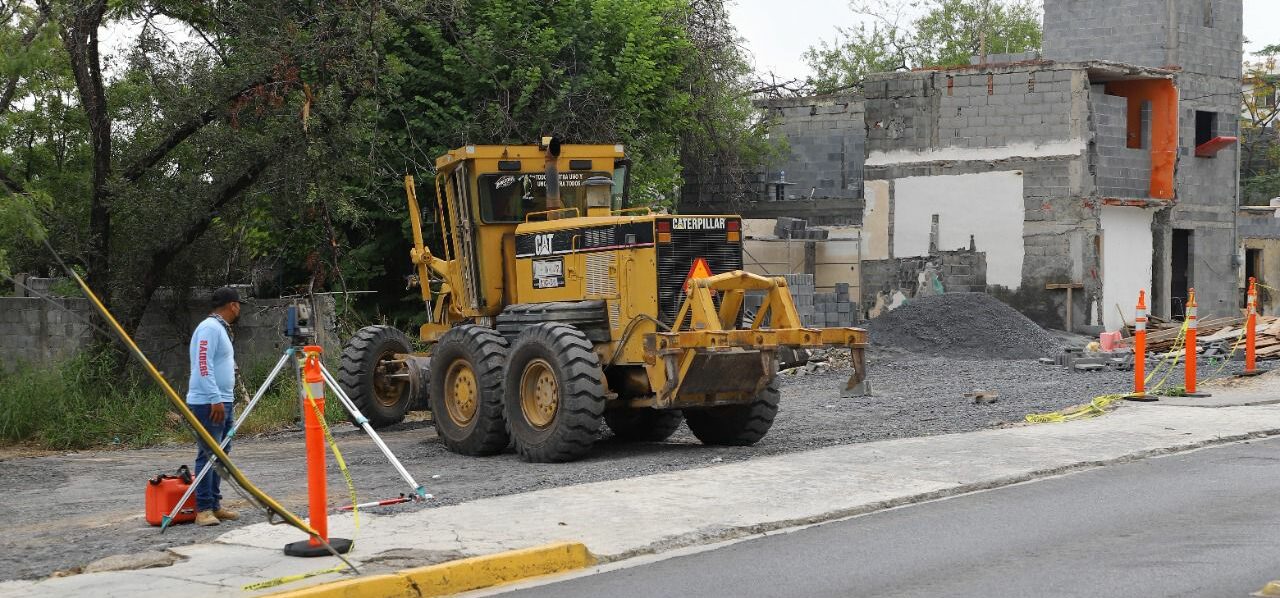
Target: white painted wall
(1126, 262)
(1049, 149)
(988, 206)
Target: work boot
(207, 518)
(226, 514)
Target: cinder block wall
(1121, 172)
(35, 332)
(958, 271)
(1004, 106)
(1203, 39)
(1031, 119)
(826, 145)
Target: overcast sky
(778, 32)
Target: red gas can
(164, 491)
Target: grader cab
(556, 308)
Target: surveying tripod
(299, 336)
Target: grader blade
(706, 359)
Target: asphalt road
(1196, 524)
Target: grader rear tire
(466, 390)
(555, 393)
(362, 374)
(736, 425)
(643, 425)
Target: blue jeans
(208, 491)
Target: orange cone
(1140, 352)
(1191, 353)
(318, 503)
(1251, 332)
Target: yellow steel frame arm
(426, 263)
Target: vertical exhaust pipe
(551, 145)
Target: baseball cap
(225, 295)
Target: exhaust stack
(552, 147)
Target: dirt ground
(62, 511)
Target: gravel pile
(962, 326)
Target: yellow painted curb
(457, 576)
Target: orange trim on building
(1163, 95)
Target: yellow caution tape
(1094, 408)
(1101, 404)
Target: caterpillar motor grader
(555, 308)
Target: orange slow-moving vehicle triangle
(700, 269)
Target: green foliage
(511, 71)
(19, 223)
(947, 33)
(71, 407)
(214, 175)
(1260, 147)
(81, 404)
(663, 77)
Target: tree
(946, 33)
(663, 77)
(1260, 158)
(168, 137)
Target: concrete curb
(458, 576)
(740, 532)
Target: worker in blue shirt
(211, 395)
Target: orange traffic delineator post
(1140, 352)
(1191, 353)
(313, 409)
(1251, 332)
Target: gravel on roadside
(64, 511)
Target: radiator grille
(675, 259)
(600, 282)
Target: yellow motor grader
(556, 308)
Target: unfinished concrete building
(1105, 164)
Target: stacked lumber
(1224, 330)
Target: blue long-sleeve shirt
(213, 365)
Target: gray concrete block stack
(816, 310)
(797, 228)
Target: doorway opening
(1180, 280)
(1252, 269)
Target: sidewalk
(630, 517)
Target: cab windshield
(511, 197)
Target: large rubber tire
(383, 402)
(557, 364)
(736, 425)
(643, 425)
(466, 390)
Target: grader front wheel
(555, 393)
(466, 390)
(374, 377)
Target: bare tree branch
(166, 253)
(182, 132)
